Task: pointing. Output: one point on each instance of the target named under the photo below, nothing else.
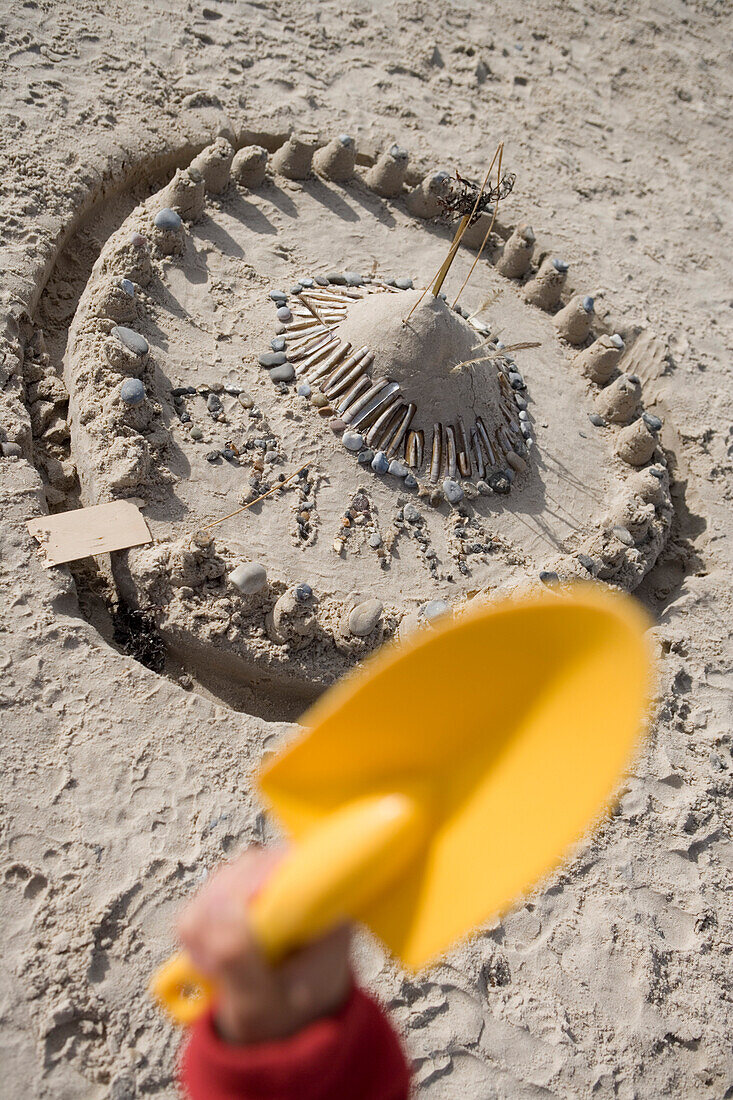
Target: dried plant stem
(239, 511)
(498, 354)
(463, 226)
(487, 234)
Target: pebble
(132, 391)
(618, 341)
(167, 219)
(484, 488)
(213, 457)
(249, 578)
(185, 418)
(284, 314)
(303, 592)
(336, 278)
(410, 482)
(132, 340)
(233, 391)
(520, 402)
(380, 463)
(137, 240)
(319, 400)
(411, 514)
(397, 469)
(516, 381)
(180, 391)
(278, 343)
(284, 373)
(500, 483)
(453, 491)
(278, 296)
(228, 454)
(11, 450)
(365, 456)
(128, 286)
(307, 282)
(403, 284)
(364, 617)
(623, 535)
(597, 420)
(321, 280)
(353, 278)
(196, 432)
(375, 540)
(337, 426)
(272, 358)
(213, 404)
(586, 561)
(657, 472)
(432, 610)
(245, 400)
(304, 389)
(560, 265)
(296, 288)
(549, 576)
(652, 422)
(352, 441)
(588, 303)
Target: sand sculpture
(414, 451)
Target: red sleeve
(353, 1054)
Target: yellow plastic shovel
(447, 776)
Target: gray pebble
(213, 457)
(500, 483)
(307, 282)
(272, 358)
(304, 389)
(596, 420)
(233, 391)
(375, 540)
(196, 432)
(228, 454)
(213, 404)
(453, 491)
(185, 418)
(284, 373)
(560, 265)
(128, 286)
(167, 219)
(336, 278)
(278, 296)
(11, 450)
(303, 592)
(519, 401)
(352, 441)
(586, 561)
(180, 391)
(397, 469)
(249, 578)
(132, 340)
(548, 576)
(321, 280)
(284, 314)
(403, 284)
(652, 422)
(278, 343)
(365, 456)
(483, 488)
(364, 617)
(410, 482)
(132, 391)
(411, 514)
(353, 278)
(380, 463)
(657, 472)
(432, 610)
(296, 288)
(623, 535)
(588, 303)
(245, 400)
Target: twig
(239, 511)
(498, 354)
(488, 232)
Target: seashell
(315, 354)
(452, 463)
(383, 391)
(484, 437)
(399, 435)
(478, 457)
(335, 389)
(382, 421)
(345, 368)
(358, 388)
(436, 453)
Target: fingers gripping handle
(342, 864)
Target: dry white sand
(121, 787)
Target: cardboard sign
(88, 531)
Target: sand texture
(140, 690)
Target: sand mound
(422, 354)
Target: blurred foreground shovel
(446, 777)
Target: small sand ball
(132, 392)
(249, 578)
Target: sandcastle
(329, 451)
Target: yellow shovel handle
(329, 876)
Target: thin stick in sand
(239, 511)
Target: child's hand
(255, 1001)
